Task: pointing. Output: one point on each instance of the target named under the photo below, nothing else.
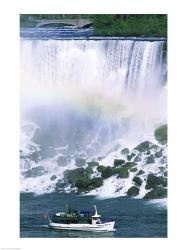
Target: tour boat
(81, 221)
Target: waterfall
(85, 96)
(102, 82)
(87, 63)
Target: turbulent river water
(88, 97)
(133, 217)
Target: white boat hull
(103, 227)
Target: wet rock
(53, 177)
(163, 160)
(130, 157)
(144, 146)
(63, 161)
(155, 181)
(35, 156)
(137, 158)
(93, 164)
(80, 178)
(137, 180)
(154, 147)
(150, 159)
(129, 164)
(165, 173)
(80, 162)
(133, 169)
(89, 170)
(158, 154)
(118, 162)
(35, 172)
(71, 176)
(156, 193)
(101, 168)
(107, 172)
(165, 181)
(140, 172)
(60, 186)
(84, 184)
(148, 152)
(133, 191)
(125, 151)
(122, 172)
(161, 134)
(162, 168)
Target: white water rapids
(83, 97)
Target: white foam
(161, 203)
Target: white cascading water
(85, 97)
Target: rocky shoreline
(144, 168)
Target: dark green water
(134, 217)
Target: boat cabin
(96, 218)
(77, 217)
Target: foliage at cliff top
(111, 24)
(131, 25)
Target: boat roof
(96, 215)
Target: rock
(107, 172)
(35, 172)
(158, 154)
(80, 178)
(80, 162)
(93, 164)
(125, 151)
(165, 181)
(163, 160)
(137, 180)
(53, 177)
(60, 186)
(150, 159)
(129, 164)
(144, 146)
(133, 169)
(137, 158)
(34, 157)
(157, 193)
(148, 152)
(71, 176)
(83, 184)
(154, 147)
(165, 173)
(133, 191)
(129, 157)
(140, 172)
(89, 170)
(101, 168)
(161, 134)
(122, 172)
(162, 168)
(154, 181)
(118, 162)
(63, 161)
